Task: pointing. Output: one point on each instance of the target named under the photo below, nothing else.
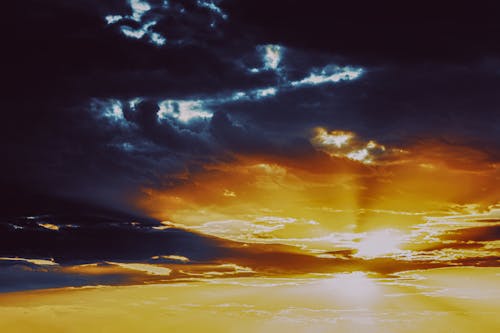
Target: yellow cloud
(40, 262)
(346, 144)
(49, 226)
(149, 269)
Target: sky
(348, 151)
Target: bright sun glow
(379, 243)
(353, 288)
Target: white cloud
(336, 138)
(111, 19)
(358, 155)
(265, 92)
(139, 8)
(183, 110)
(272, 56)
(249, 95)
(133, 102)
(110, 110)
(139, 33)
(276, 219)
(329, 74)
(347, 144)
(133, 33)
(157, 39)
(213, 7)
(115, 111)
(146, 268)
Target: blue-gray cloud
(96, 114)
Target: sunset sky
(250, 166)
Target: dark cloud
(163, 132)
(476, 234)
(486, 261)
(238, 137)
(429, 70)
(88, 239)
(21, 276)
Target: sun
(379, 243)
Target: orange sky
(393, 187)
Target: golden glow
(327, 202)
(355, 288)
(352, 302)
(352, 236)
(379, 243)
